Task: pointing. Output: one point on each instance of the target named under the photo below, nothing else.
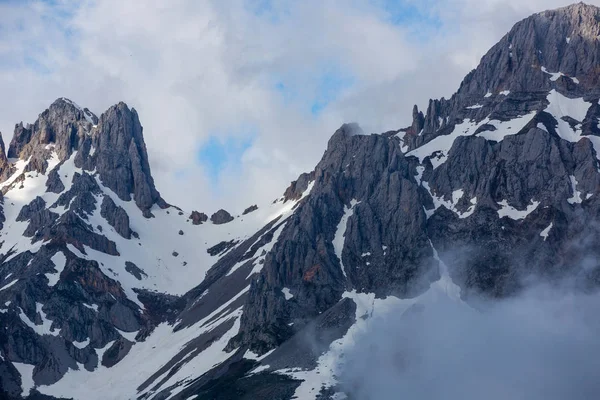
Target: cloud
(541, 345)
(293, 71)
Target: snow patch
(19, 168)
(45, 328)
(26, 372)
(419, 176)
(100, 351)
(128, 335)
(554, 76)
(59, 261)
(473, 107)
(286, 292)
(260, 369)
(559, 106)
(8, 285)
(576, 198)
(82, 345)
(488, 94)
(450, 204)
(440, 146)
(93, 306)
(504, 93)
(253, 356)
(437, 149)
(509, 211)
(546, 231)
(340, 233)
(403, 146)
(506, 128)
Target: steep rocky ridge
(513, 75)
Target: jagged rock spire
(5, 168)
(120, 157)
(63, 124)
(112, 146)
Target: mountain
(109, 292)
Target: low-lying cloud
(541, 345)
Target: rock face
(120, 157)
(135, 270)
(554, 49)
(364, 189)
(6, 169)
(250, 209)
(496, 185)
(63, 126)
(298, 187)
(221, 217)
(116, 217)
(198, 217)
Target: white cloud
(195, 69)
(539, 345)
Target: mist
(543, 344)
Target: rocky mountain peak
(112, 146)
(552, 50)
(118, 154)
(60, 129)
(6, 168)
(508, 139)
(565, 41)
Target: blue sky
(223, 151)
(332, 79)
(409, 12)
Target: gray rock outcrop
(221, 217)
(121, 159)
(116, 216)
(198, 217)
(250, 209)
